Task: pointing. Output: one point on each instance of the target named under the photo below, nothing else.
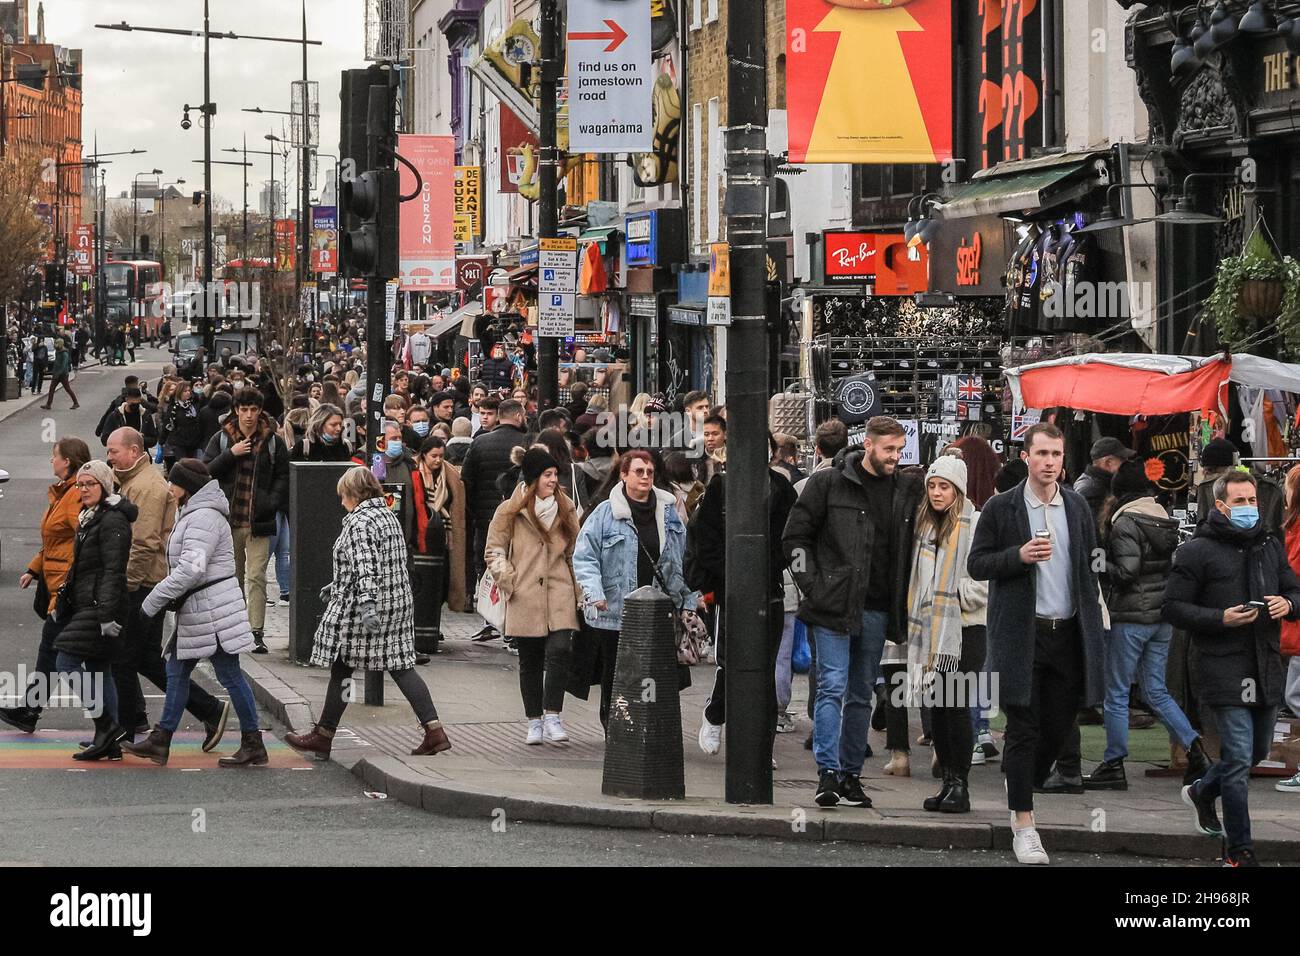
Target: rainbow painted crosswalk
(53, 750)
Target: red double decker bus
(134, 292)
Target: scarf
(437, 495)
(546, 510)
(934, 607)
(88, 514)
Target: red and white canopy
(1127, 383)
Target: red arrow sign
(615, 36)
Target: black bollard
(643, 743)
(315, 522)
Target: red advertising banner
(880, 259)
(519, 149)
(869, 81)
(471, 271)
(286, 238)
(428, 249)
(82, 256)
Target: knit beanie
(1131, 480)
(190, 474)
(101, 472)
(1219, 453)
(536, 461)
(950, 469)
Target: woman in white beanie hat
(945, 626)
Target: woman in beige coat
(529, 551)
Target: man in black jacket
(1094, 484)
(487, 459)
(131, 413)
(849, 546)
(1229, 588)
(1035, 546)
(251, 463)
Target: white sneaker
(534, 732)
(784, 723)
(710, 736)
(553, 729)
(1027, 845)
(977, 756)
(985, 743)
(1290, 785)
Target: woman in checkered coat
(369, 623)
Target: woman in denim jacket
(621, 542)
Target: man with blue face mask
(1229, 588)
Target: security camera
(185, 120)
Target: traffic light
(371, 249)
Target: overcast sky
(137, 83)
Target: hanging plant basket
(1254, 290)
(1261, 299)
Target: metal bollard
(643, 744)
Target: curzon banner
(428, 250)
(869, 81)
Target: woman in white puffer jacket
(211, 617)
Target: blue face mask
(393, 449)
(420, 428)
(1244, 517)
(328, 439)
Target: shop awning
(524, 272)
(1022, 187)
(601, 235)
(1138, 384)
(453, 320)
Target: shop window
(712, 15)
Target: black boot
(1109, 775)
(935, 804)
(105, 745)
(958, 798)
(1198, 763)
(259, 645)
(22, 718)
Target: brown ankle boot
(316, 742)
(251, 752)
(435, 740)
(155, 747)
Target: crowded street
(550, 435)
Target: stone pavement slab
(490, 770)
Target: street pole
(209, 339)
(548, 347)
(243, 250)
(751, 692)
(304, 240)
(101, 298)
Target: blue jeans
(847, 667)
(46, 662)
(231, 678)
(784, 664)
(280, 548)
(105, 703)
(1245, 735)
(1139, 651)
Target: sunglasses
(642, 472)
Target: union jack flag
(970, 388)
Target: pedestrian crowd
(959, 590)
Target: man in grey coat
(1035, 545)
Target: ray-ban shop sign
(850, 257)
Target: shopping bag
(801, 656)
(490, 603)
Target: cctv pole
(751, 691)
(548, 347)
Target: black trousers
(1036, 732)
(341, 690)
(896, 733)
(608, 659)
(428, 590)
(141, 656)
(715, 712)
(954, 737)
(544, 665)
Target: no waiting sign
(609, 76)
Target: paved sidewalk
(24, 400)
(489, 770)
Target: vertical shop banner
(324, 239)
(286, 240)
(469, 203)
(82, 258)
(610, 108)
(519, 149)
(428, 250)
(869, 83)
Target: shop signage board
(324, 239)
(610, 106)
(719, 269)
(82, 258)
(471, 271)
(970, 256)
(468, 192)
(640, 233)
(898, 112)
(428, 249)
(849, 257)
